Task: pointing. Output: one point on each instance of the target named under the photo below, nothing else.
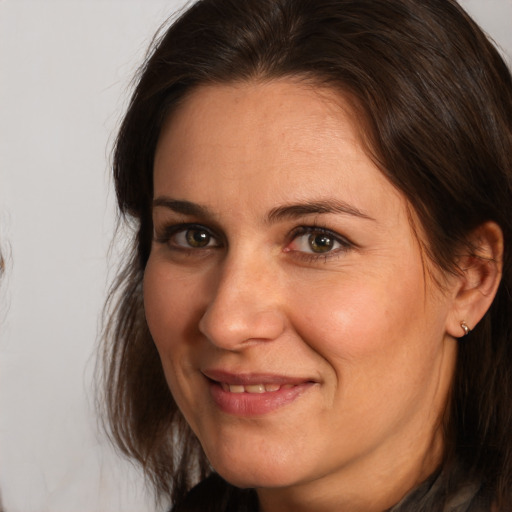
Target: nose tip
(235, 317)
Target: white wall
(64, 73)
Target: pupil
(197, 238)
(321, 243)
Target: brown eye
(186, 237)
(321, 242)
(197, 238)
(312, 241)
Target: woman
(317, 311)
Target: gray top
(437, 494)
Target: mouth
(254, 388)
(250, 394)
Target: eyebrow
(293, 211)
(184, 207)
(284, 212)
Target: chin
(247, 472)
(254, 478)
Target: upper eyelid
(304, 230)
(172, 229)
(182, 226)
(171, 219)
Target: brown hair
(436, 99)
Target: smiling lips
(254, 388)
(251, 394)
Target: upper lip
(252, 378)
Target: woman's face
(287, 295)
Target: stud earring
(465, 328)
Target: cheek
(169, 306)
(373, 319)
(384, 361)
(170, 303)
(157, 302)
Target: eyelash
(312, 231)
(170, 231)
(173, 230)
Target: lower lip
(255, 404)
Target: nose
(245, 306)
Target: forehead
(291, 133)
(281, 112)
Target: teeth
(253, 388)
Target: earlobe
(480, 274)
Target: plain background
(65, 71)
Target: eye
(186, 236)
(194, 237)
(317, 241)
(321, 243)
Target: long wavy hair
(434, 100)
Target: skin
(360, 321)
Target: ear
(478, 280)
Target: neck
(363, 487)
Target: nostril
(235, 326)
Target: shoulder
(214, 494)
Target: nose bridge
(245, 302)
